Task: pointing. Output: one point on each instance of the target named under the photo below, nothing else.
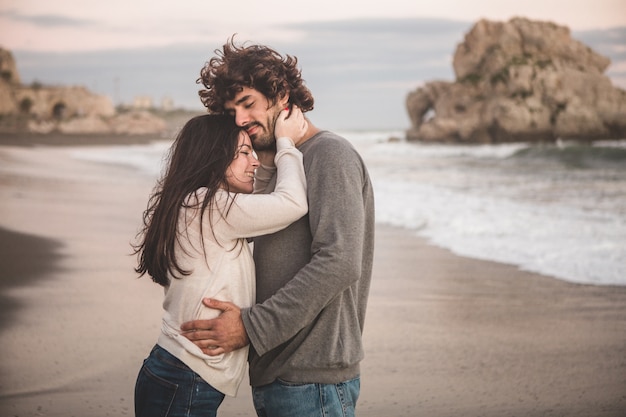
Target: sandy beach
(445, 335)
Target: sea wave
(559, 210)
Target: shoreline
(26, 139)
(444, 335)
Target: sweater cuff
(250, 331)
(284, 142)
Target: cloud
(397, 26)
(46, 20)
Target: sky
(79, 25)
(367, 53)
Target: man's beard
(265, 139)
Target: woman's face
(240, 172)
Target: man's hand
(222, 334)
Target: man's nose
(241, 118)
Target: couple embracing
(292, 305)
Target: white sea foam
(482, 201)
(561, 241)
(148, 159)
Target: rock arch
(26, 105)
(59, 110)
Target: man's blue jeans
(286, 399)
(167, 387)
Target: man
(313, 278)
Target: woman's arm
(257, 214)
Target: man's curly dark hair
(254, 66)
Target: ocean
(558, 210)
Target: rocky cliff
(520, 80)
(64, 109)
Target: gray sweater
(313, 277)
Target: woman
(193, 243)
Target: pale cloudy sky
(80, 25)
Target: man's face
(253, 112)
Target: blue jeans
(286, 399)
(166, 387)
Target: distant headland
(74, 110)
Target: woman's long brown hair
(199, 157)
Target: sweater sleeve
(258, 214)
(337, 217)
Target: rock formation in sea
(520, 80)
(64, 109)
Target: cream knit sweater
(226, 270)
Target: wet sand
(445, 335)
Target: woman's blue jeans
(166, 387)
(286, 399)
